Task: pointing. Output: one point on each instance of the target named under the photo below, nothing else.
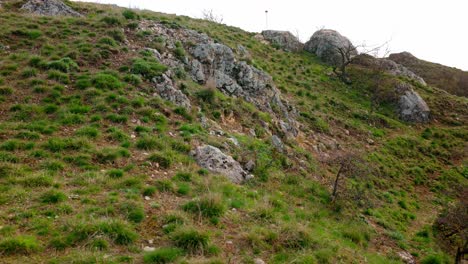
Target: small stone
(259, 261)
(150, 241)
(148, 249)
(147, 198)
(370, 141)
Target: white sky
(433, 30)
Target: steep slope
(104, 117)
(450, 79)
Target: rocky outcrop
(450, 79)
(211, 63)
(214, 160)
(326, 44)
(400, 70)
(49, 8)
(283, 39)
(388, 66)
(165, 89)
(411, 107)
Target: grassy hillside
(452, 80)
(94, 167)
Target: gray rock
(400, 70)
(243, 52)
(49, 8)
(214, 160)
(406, 257)
(277, 143)
(326, 43)
(283, 39)
(250, 165)
(165, 88)
(259, 261)
(411, 107)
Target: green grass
(162, 256)
(19, 245)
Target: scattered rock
(49, 8)
(284, 40)
(411, 107)
(406, 257)
(250, 165)
(148, 249)
(370, 141)
(326, 43)
(277, 143)
(214, 160)
(259, 261)
(243, 52)
(234, 141)
(165, 88)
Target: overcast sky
(433, 30)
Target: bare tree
(452, 228)
(347, 55)
(208, 14)
(351, 165)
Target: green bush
(89, 131)
(206, 206)
(162, 256)
(164, 161)
(106, 81)
(129, 14)
(148, 143)
(191, 240)
(147, 68)
(111, 21)
(63, 65)
(19, 245)
(119, 232)
(115, 173)
(53, 197)
(107, 41)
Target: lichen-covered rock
(49, 8)
(165, 89)
(388, 66)
(283, 39)
(411, 107)
(214, 160)
(400, 70)
(326, 44)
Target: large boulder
(283, 39)
(327, 43)
(411, 107)
(214, 160)
(49, 8)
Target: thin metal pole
(266, 19)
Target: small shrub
(164, 161)
(148, 191)
(148, 69)
(206, 206)
(6, 91)
(107, 41)
(191, 240)
(183, 176)
(90, 132)
(53, 197)
(115, 173)
(19, 245)
(111, 21)
(63, 65)
(148, 143)
(115, 118)
(129, 14)
(162, 256)
(106, 81)
(164, 186)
